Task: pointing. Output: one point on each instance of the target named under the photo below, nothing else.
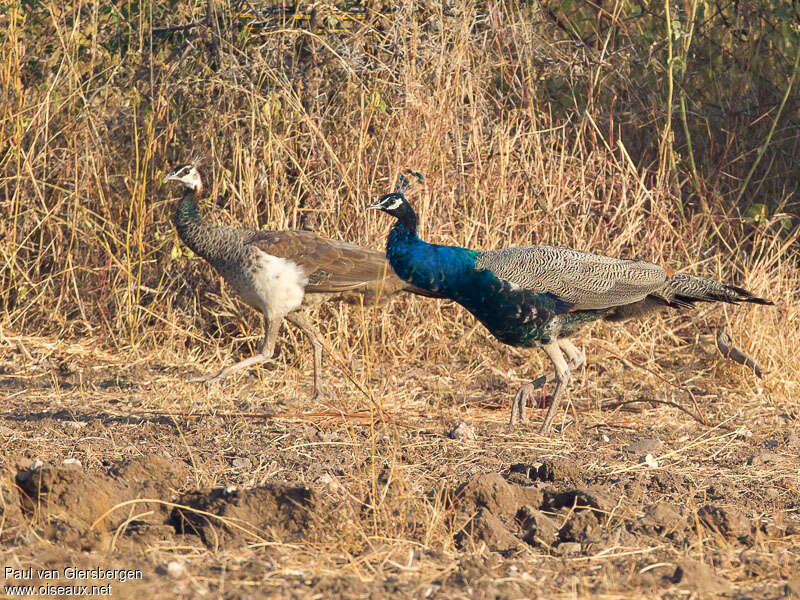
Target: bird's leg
(553, 350)
(271, 327)
(301, 321)
(576, 359)
(526, 392)
(576, 356)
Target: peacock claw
(218, 376)
(525, 394)
(320, 393)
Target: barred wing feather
(589, 281)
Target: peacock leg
(271, 327)
(576, 356)
(553, 350)
(301, 321)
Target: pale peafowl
(281, 272)
(539, 296)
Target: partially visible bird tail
(683, 290)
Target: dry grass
(299, 129)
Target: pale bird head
(187, 175)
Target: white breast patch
(278, 283)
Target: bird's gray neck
(218, 245)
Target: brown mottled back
(333, 266)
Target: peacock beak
(374, 206)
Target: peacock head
(396, 205)
(188, 175)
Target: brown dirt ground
(313, 500)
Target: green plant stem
(687, 42)
(668, 127)
(763, 147)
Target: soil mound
(230, 516)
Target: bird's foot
(525, 394)
(320, 393)
(218, 376)
(256, 359)
(577, 362)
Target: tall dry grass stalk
(300, 129)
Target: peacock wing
(330, 265)
(588, 281)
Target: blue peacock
(539, 296)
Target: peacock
(540, 296)
(281, 273)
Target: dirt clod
(69, 502)
(494, 493)
(225, 516)
(559, 469)
(663, 517)
(730, 522)
(539, 529)
(487, 528)
(699, 577)
(10, 512)
(462, 431)
(644, 446)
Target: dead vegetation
(531, 123)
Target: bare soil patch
(100, 475)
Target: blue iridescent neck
(439, 269)
(407, 218)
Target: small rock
(762, 458)
(650, 461)
(242, 463)
(699, 577)
(75, 424)
(462, 431)
(606, 438)
(176, 569)
(568, 548)
(327, 480)
(36, 465)
(644, 446)
(72, 462)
